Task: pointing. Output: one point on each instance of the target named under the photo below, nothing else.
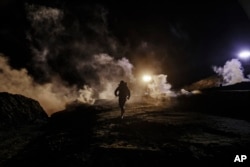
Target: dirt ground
(156, 134)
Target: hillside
(17, 110)
(209, 82)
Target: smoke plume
(73, 59)
(52, 96)
(159, 85)
(63, 42)
(157, 88)
(55, 95)
(232, 72)
(65, 66)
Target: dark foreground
(167, 133)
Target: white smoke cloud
(86, 95)
(52, 59)
(231, 72)
(159, 87)
(52, 96)
(84, 60)
(109, 72)
(45, 19)
(55, 95)
(46, 27)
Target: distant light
(146, 78)
(244, 54)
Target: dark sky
(182, 39)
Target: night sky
(180, 39)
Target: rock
(17, 110)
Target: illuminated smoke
(52, 96)
(60, 41)
(231, 72)
(86, 95)
(53, 61)
(108, 73)
(46, 28)
(68, 65)
(159, 87)
(55, 95)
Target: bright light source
(146, 78)
(244, 54)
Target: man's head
(123, 83)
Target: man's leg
(122, 103)
(122, 112)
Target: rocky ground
(162, 133)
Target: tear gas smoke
(52, 96)
(108, 73)
(64, 57)
(60, 51)
(232, 72)
(158, 87)
(159, 84)
(60, 41)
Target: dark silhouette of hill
(230, 101)
(74, 117)
(66, 140)
(238, 86)
(17, 110)
(209, 82)
(214, 83)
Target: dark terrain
(207, 129)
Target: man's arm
(116, 91)
(128, 94)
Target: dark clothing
(123, 93)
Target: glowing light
(146, 78)
(244, 54)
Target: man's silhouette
(123, 92)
